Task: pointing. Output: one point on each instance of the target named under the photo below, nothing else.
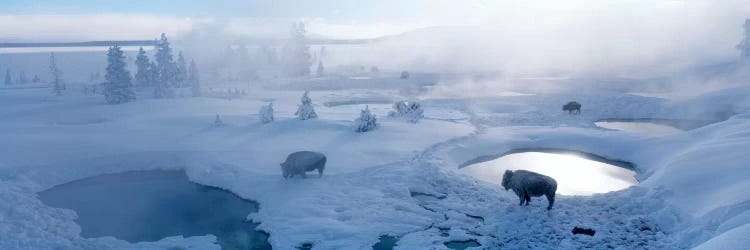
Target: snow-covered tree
(194, 79)
(36, 79)
(55, 76)
(296, 53)
(8, 79)
(412, 111)
(306, 110)
(218, 122)
(118, 87)
(266, 113)
(143, 76)
(22, 79)
(166, 70)
(744, 46)
(366, 121)
(182, 71)
(321, 70)
(322, 53)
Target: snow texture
(399, 180)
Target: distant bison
(299, 163)
(572, 107)
(527, 184)
(404, 75)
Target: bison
(572, 107)
(299, 163)
(527, 184)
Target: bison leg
(550, 199)
(304, 175)
(320, 172)
(527, 198)
(522, 198)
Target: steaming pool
(575, 174)
(151, 205)
(654, 126)
(639, 127)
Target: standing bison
(572, 107)
(298, 163)
(527, 184)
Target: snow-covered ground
(399, 180)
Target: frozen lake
(151, 205)
(575, 175)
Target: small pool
(151, 205)
(461, 245)
(575, 175)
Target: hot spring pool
(151, 205)
(657, 126)
(575, 175)
(638, 127)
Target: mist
(420, 124)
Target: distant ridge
(78, 44)
(152, 42)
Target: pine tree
(36, 79)
(296, 57)
(266, 113)
(744, 46)
(182, 71)
(22, 79)
(118, 87)
(165, 69)
(143, 77)
(306, 111)
(153, 73)
(366, 121)
(321, 71)
(56, 76)
(194, 79)
(8, 79)
(218, 122)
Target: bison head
(506, 179)
(284, 170)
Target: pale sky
(515, 35)
(83, 20)
(112, 19)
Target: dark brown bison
(298, 163)
(572, 107)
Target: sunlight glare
(574, 175)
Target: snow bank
(396, 180)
